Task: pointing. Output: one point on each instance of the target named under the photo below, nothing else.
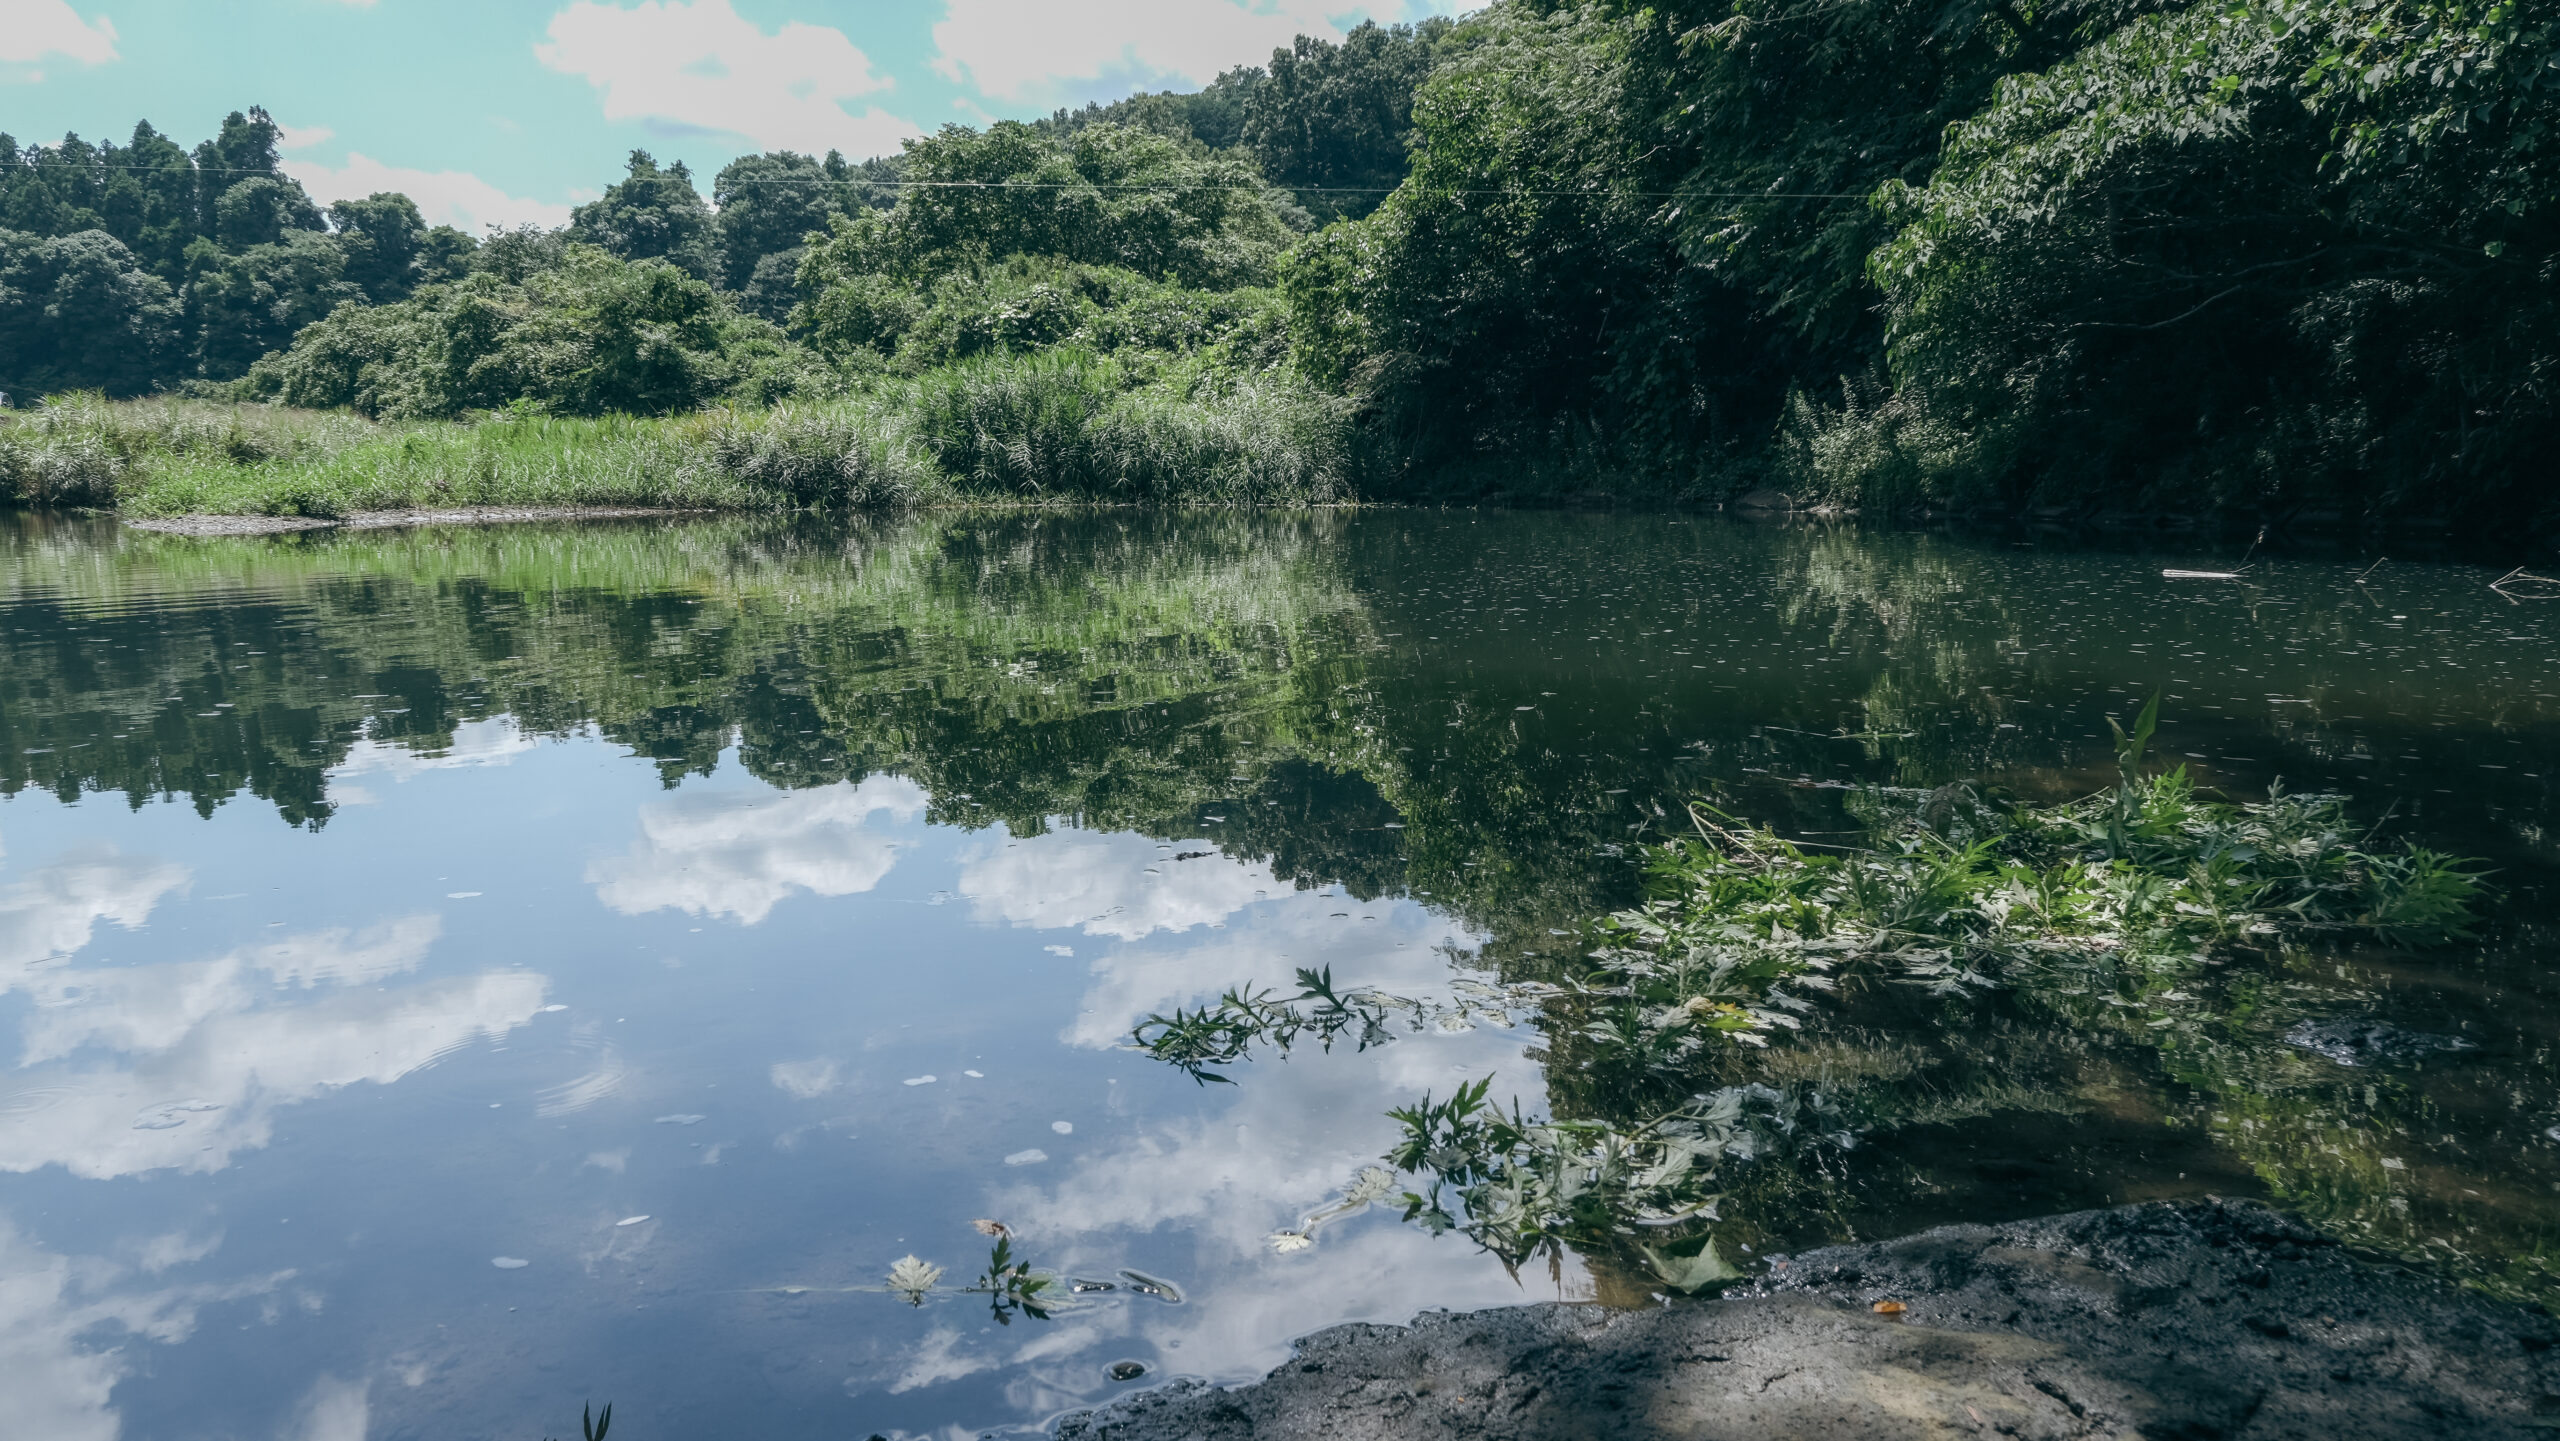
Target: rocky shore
(2194, 1320)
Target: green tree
(390, 250)
(262, 210)
(78, 312)
(769, 205)
(2285, 255)
(1105, 195)
(242, 306)
(1498, 304)
(588, 335)
(1330, 121)
(145, 194)
(1212, 116)
(651, 214)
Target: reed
(1059, 427)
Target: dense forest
(2275, 258)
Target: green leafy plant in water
(2123, 896)
(1523, 1187)
(2145, 879)
(1225, 1032)
(592, 1425)
(1010, 1285)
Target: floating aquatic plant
(913, 1278)
(1372, 1185)
(1011, 1285)
(1226, 1031)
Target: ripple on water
(33, 1099)
(603, 1077)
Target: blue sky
(506, 111)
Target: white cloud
(1037, 50)
(125, 1069)
(1116, 885)
(741, 853)
(54, 1369)
(445, 197)
(34, 29)
(56, 909)
(301, 137)
(214, 1088)
(696, 66)
(153, 1008)
(1208, 1185)
(806, 1079)
(334, 1410)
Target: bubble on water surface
(1032, 1157)
(1063, 1128)
(919, 1080)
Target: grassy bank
(1061, 426)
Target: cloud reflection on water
(741, 853)
(1249, 1159)
(125, 1069)
(55, 1310)
(1118, 885)
(55, 911)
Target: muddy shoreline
(2190, 1320)
(390, 519)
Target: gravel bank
(2194, 1320)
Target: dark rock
(2105, 1329)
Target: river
(449, 976)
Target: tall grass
(1065, 424)
(83, 450)
(1059, 426)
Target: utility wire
(1157, 187)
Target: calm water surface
(449, 976)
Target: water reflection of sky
(594, 899)
(281, 1102)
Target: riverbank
(1042, 430)
(2200, 1319)
(392, 519)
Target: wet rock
(2099, 1324)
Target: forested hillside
(2276, 257)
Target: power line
(1159, 187)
